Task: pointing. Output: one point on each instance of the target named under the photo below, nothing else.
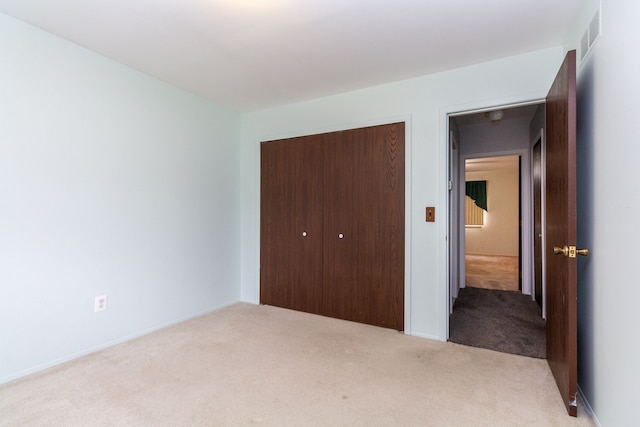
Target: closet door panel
(364, 201)
(291, 223)
(341, 280)
(381, 229)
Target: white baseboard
(587, 406)
(50, 364)
(421, 335)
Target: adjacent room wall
(608, 202)
(424, 102)
(482, 139)
(111, 182)
(499, 235)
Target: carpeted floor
(260, 365)
(505, 321)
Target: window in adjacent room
(476, 203)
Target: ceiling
(253, 54)
(483, 118)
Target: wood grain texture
(291, 227)
(364, 201)
(561, 272)
(357, 181)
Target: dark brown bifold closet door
(364, 226)
(332, 224)
(291, 224)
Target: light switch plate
(431, 214)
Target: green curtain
(477, 190)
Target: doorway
(555, 120)
(490, 145)
(492, 223)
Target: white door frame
(454, 212)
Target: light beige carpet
(492, 272)
(260, 365)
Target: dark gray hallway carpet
(505, 321)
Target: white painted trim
(444, 291)
(427, 336)
(407, 119)
(408, 206)
(587, 407)
(453, 237)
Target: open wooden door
(561, 213)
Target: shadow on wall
(585, 204)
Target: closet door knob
(304, 234)
(340, 236)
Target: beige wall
(499, 235)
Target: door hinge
(450, 185)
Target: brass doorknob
(561, 250)
(570, 251)
(583, 252)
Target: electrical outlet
(100, 303)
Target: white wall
(425, 103)
(111, 182)
(499, 235)
(608, 202)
